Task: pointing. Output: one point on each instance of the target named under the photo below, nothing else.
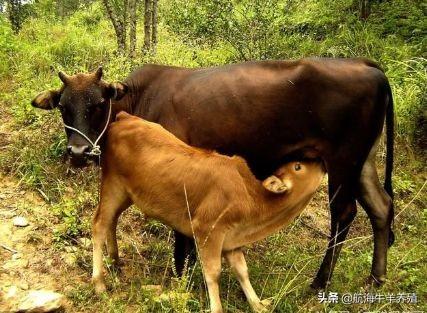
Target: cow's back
(263, 110)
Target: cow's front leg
(237, 262)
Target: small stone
(23, 286)
(13, 290)
(16, 256)
(40, 301)
(20, 221)
(14, 265)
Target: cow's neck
(124, 104)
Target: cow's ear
(47, 100)
(117, 90)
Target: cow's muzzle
(78, 151)
(78, 155)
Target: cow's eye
(297, 167)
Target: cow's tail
(389, 157)
(390, 143)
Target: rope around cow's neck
(96, 149)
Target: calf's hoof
(99, 286)
(261, 306)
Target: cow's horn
(64, 77)
(98, 73)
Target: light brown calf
(200, 193)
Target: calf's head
(294, 175)
(84, 101)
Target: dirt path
(28, 259)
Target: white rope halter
(96, 149)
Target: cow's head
(83, 101)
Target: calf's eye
(297, 167)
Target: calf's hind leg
(112, 203)
(210, 248)
(237, 262)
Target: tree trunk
(132, 28)
(365, 9)
(14, 12)
(154, 28)
(125, 23)
(147, 26)
(118, 27)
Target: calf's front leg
(104, 229)
(99, 233)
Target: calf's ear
(47, 100)
(275, 184)
(117, 90)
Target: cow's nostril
(69, 149)
(78, 151)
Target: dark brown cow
(265, 112)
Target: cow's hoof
(319, 284)
(116, 266)
(375, 281)
(261, 306)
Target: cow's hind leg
(184, 250)
(343, 210)
(378, 205)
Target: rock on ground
(35, 301)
